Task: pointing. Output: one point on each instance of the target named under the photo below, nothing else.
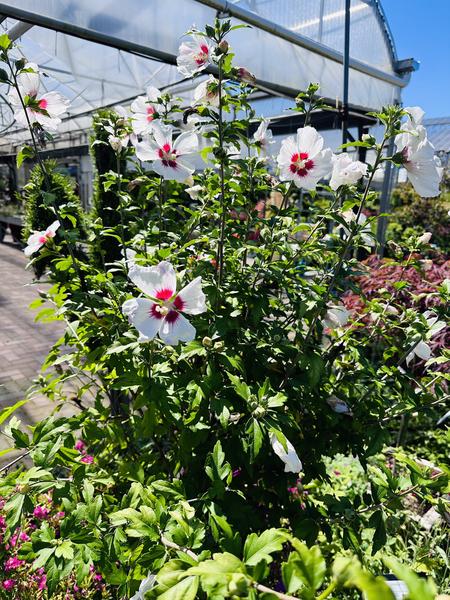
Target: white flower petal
(193, 297)
(139, 313)
(178, 330)
(309, 140)
(152, 280)
(290, 458)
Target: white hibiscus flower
(161, 313)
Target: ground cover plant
(219, 371)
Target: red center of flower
(168, 156)
(202, 56)
(164, 294)
(300, 164)
(166, 310)
(43, 104)
(150, 113)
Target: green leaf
(308, 565)
(5, 413)
(186, 589)
(5, 42)
(260, 547)
(379, 538)
(240, 387)
(418, 588)
(24, 153)
(65, 550)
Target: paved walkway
(24, 343)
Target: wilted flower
(168, 159)
(365, 232)
(422, 350)
(194, 56)
(336, 316)
(263, 137)
(302, 159)
(424, 238)
(339, 406)
(194, 191)
(161, 313)
(146, 585)
(346, 171)
(39, 238)
(207, 92)
(290, 458)
(45, 109)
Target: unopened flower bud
(245, 75)
(224, 46)
(366, 137)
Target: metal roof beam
(226, 7)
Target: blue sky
(421, 29)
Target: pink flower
(40, 238)
(23, 537)
(80, 445)
(13, 563)
(43, 109)
(42, 582)
(194, 56)
(41, 512)
(302, 159)
(167, 157)
(161, 313)
(88, 459)
(8, 584)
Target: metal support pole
(385, 199)
(346, 70)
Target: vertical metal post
(385, 199)
(346, 68)
(320, 34)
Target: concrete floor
(24, 343)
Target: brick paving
(24, 343)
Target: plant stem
(332, 586)
(262, 588)
(122, 223)
(220, 248)
(16, 460)
(340, 263)
(404, 492)
(48, 183)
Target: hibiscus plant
(212, 366)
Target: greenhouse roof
(438, 131)
(106, 52)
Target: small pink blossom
(42, 582)
(80, 445)
(24, 537)
(41, 512)
(8, 584)
(13, 563)
(88, 459)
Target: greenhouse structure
(105, 53)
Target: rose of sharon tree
(217, 368)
